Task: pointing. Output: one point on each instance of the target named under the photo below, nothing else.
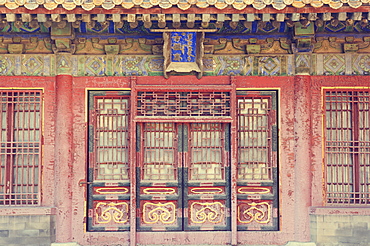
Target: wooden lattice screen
(347, 146)
(20, 147)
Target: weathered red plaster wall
(65, 148)
(286, 160)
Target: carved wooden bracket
(304, 34)
(62, 36)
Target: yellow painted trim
(158, 191)
(85, 216)
(23, 88)
(101, 190)
(344, 87)
(255, 217)
(263, 190)
(200, 216)
(258, 89)
(107, 89)
(107, 216)
(324, 196)
(165, 214)
(217, 190)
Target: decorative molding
(250, 211)
(29, 65)
(214, 65)
(63, 64)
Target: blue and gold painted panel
(183, 46)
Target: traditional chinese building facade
(155, 122)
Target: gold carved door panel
(183, 176)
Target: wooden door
(108, 172)
(181, 153)
(183, 176)
(257, 171)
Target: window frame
(19, 146)
(352, 147)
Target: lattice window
(159, 152)
(183, 104)
(206, 145)
(254, 137)
(111, 134)
(20, 147)
(347, 146)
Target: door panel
(207, 177)
(160, 177)
(183, 170)
(257, 193)
(108, 180)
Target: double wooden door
(183, 176)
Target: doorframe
(208, 85)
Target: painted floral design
(365, 63)
(3, 65)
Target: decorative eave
(89, 5)
(35, 18)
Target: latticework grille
(20, 148)
(183, 104)
(159, 152)
(111, 135)
(347, 147)
(254, 138)
(206, 145)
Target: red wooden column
(63, 158)
(133, 205)
(302, 169)
(233, 165)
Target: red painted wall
(65, 151)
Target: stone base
(27, 229)
(65, 244)
(300, 244)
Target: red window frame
(20, 146)
(347, 146)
